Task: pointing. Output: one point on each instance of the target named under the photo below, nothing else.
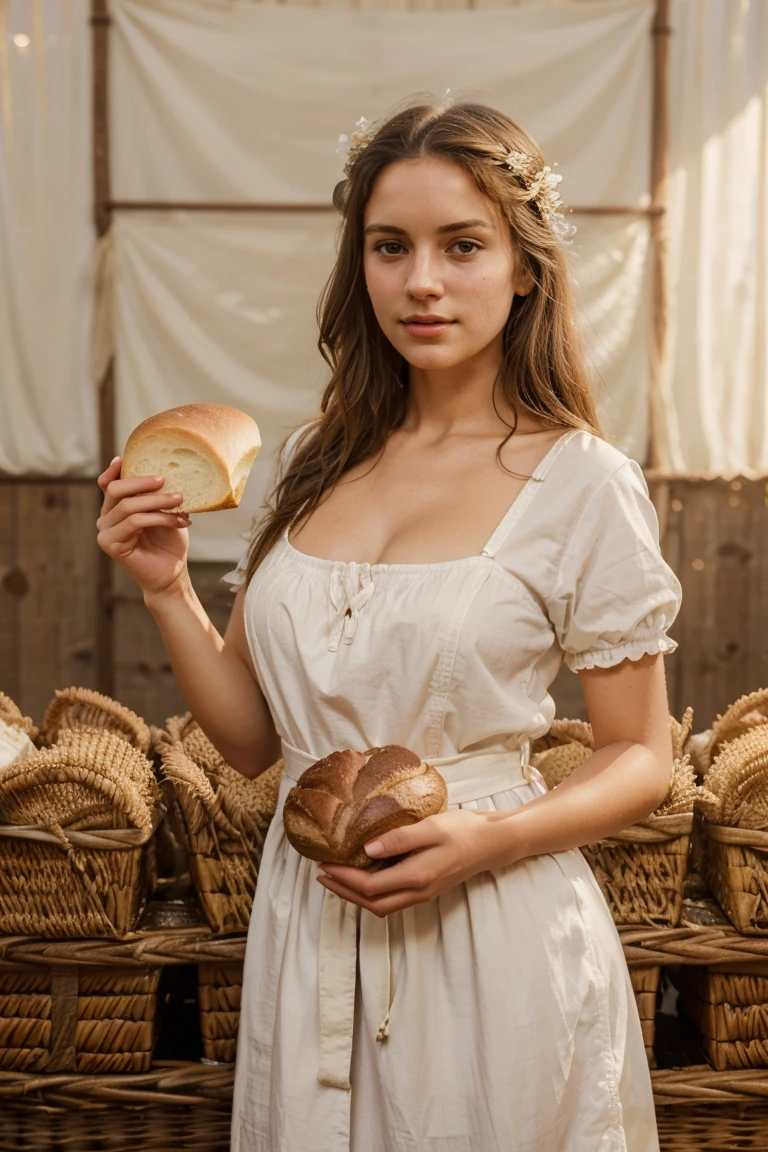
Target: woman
(448, 530)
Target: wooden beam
(106, 387)
(253, 206)
(658, 439)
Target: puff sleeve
(614, 595)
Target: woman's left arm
(626, 778)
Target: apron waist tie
(348, 932)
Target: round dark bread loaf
(349, 798)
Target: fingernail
(375, 848)
(114, 461)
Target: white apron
(499, 1016)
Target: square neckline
(515, 509)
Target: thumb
(400, 840)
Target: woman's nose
(424, 275)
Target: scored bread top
(348, 798)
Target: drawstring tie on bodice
(350, 588)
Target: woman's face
(436, 246)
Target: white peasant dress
(498, 1017)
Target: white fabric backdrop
(717, 222)
(245, 102)
(241, 101)
(718, 226)
(47, 405)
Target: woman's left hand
(442, 851)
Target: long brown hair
(365, 399)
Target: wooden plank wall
(48, 588)
(714, 534)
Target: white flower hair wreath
(541, 184)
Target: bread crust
(348, 798)
(229, 438)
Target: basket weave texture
(82, 708)
(733, 803)
(76, 826)
(708, 1128)
(78, 1018)
(224, 818)
(220, 988)
(730, 1011)
(645, 982)
(641, 869)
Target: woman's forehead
(429, 193)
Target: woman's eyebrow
(462, 224)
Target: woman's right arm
(215, 674)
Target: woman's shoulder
(587, 463)
(596, 457)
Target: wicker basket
(645, 982)
(76, 848)
(82, 708)
(174, 1106)
(713, 1127)
(220, 988)
(641, 869)
(742, 716)
(730, 1011)
(77, 1017)
(223, 817)
(733, 802)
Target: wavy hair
(365, 400)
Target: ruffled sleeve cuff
(629, 650)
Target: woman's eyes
(388, 243)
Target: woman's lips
(414, 328)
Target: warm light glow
(21, 40)
(699, 565)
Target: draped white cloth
(47, 403)
(718, 228)
(237, 101)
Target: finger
(111, 472)
(400, 840)
(413, 874)
(134, 525)
(147, 502)
(116, 489)
(381, 905)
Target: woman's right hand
(150, 544)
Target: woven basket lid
(735, 788)
(89, 779)
(747, 712)
(84, 708)
(257, 796)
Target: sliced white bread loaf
(204, 451)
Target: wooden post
(658, 437)
(103, 217)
